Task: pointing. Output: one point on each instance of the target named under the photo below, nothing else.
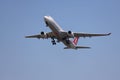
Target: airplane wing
(44, 36)
(82, 34)
(51, 35)
(89, 35)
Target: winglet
(109, 34)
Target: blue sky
(33, 59)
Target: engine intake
(43, 35)
(70, 34)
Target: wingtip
(89, 47)
(109, 34)
(26, 37)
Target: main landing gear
(53, 41)
(64, 39)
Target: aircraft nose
(45, 17)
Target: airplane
(62, 36)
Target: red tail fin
(75, 41)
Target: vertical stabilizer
(75, 41)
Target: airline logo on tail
(75, 41)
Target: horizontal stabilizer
(82, 47)
(77, 47)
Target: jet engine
(70, 34)
(43, 35)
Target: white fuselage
(56, 29)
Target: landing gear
(46, 23)
(53, 41)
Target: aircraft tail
(75, 41)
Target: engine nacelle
(70, 34)
(43, 34)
